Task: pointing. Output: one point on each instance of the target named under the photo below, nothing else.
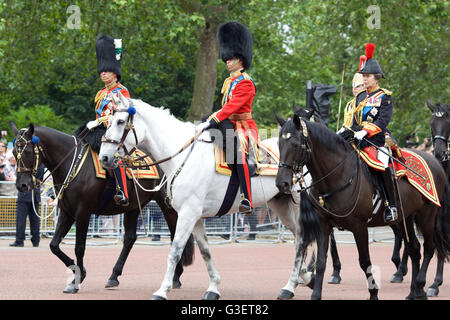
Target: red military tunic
(239, 91)
(103, 105)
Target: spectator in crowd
(3, 135)
(10, 169)
(426, 146)
(24, 208)
(2, 152)
(2, 172)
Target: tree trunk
(205, 71)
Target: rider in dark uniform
(371, 116)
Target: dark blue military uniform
(373, 113)
(24, 208)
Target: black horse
(335, 275)
(341, 195)
(440, 133)
(83, 196)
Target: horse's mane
(327, 137)
(163, 111)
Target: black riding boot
(390, 213)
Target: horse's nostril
(105, 159)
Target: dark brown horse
(341, 195)
(83, 196)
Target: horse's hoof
(397, 278)
(334, 280)
(209, 295)
(432, 292)
(111, 284)
(70, 289)
(176, 284)
(156, 297)
(285, 295)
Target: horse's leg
(130, 225)
(427, 227)
(362, 242)
(400, 265)
(82, 225)
(63, 226)
(185, 225)
(413, 247)
(335, 276)
(288, 212)
(433, 290)
(322, 249)
(214, 278)
(171, 217)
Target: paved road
(248, 271)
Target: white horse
(195, 189)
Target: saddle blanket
(267, 160)
(424, 183)
(149, 172)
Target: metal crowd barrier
(262, 226)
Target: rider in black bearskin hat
(109, 58)
(235, 44)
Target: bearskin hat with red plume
(235, 41)
(371, 65)
(109, 55)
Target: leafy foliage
(45, 63)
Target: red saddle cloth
(423, 183)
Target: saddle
(423, 181)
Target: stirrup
(120, 199)
(390, 214)
(245, 207)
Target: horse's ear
(430, 105)
(280, 120)
(123, 99)
(295, 109)
(115, 99)
(31, 130)
(297, 122)
(13, 126)
(309, 114)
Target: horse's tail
(310, 229)
(442, 226)
(187, 258)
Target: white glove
(92, 124)
(340, 130)
(360, 134)
(202, 126)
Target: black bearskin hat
(109, 55)
(235, 41)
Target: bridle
(129, 126)
(297, 169)
(20, 144)
(446, 140)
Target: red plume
(370, 48)
(362, 62)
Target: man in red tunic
(109, 57)
(235, 43)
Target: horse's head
(121, 136)
(295, 151)
(26, 152)
(440, 129)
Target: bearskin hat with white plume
(109, 55)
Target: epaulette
(121, 86)
(389, 93)
(99, 95)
